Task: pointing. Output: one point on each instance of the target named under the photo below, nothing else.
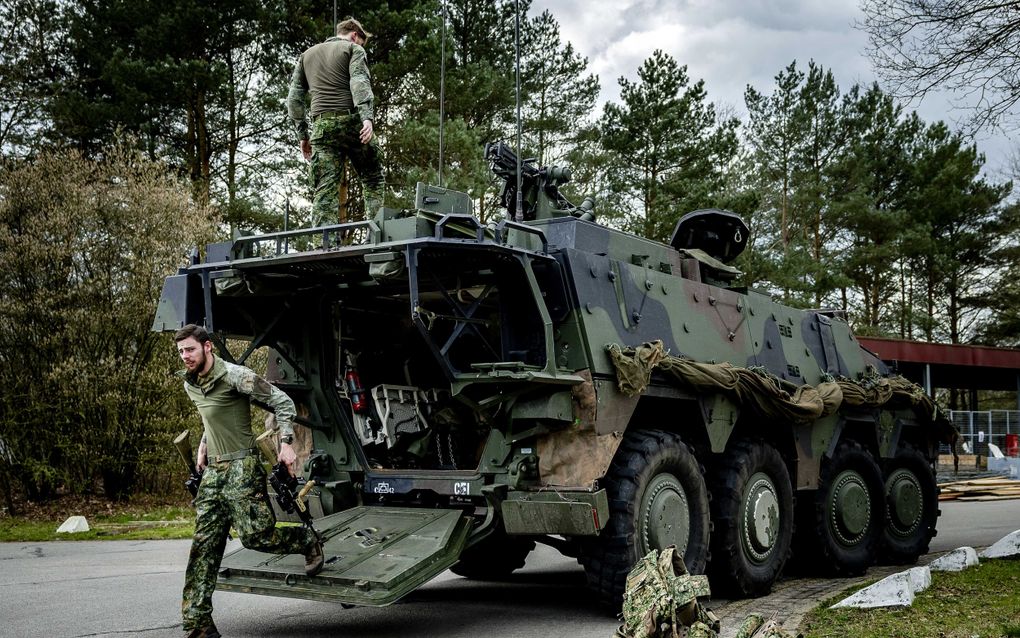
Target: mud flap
(374, 557)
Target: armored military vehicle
(466, 390)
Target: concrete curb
(955, 561)
(897, 590)
(73, 525)
(1006, 547)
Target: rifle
(284, 484)
(183, 445)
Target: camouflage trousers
(231, 493)
(335, 138)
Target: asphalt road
(132, 588)
(977, 523)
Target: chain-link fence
(978, 429)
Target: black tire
(494, 557)
(912, 506)
(840, 527)
(654, 477)
(752, 512)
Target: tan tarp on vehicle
(755, 388)
(769, 396)
(577, 455)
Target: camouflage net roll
(770, 396)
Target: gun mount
(540, 187)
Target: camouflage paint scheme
(493, 339)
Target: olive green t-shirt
(335, 73)
(223, 398)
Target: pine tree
(875, 169)
(795, 135)
(560, 97)
(669, 148)
(30, 61)
(959, 210)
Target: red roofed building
(940, 365)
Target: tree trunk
(190, 156)
(903, 302)
(198, 148)
(5, 484)
(204, 148)
(345, 194)
(784, 224)
(232, 132)
(954, 309)
(910, 308)
(929, 298)
(483, 212)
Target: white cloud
(730, 44)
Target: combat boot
(314, 559)
(209, 631)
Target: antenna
(286, 224)
(334, 18)
(519, 211)
(442, 89)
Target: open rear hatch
(374, 557)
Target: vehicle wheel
(657, 498)
(842, 524)
(912, 503)
(494, 557)
(752, 512)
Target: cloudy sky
(733, 43)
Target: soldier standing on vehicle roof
(233, 487)
(335, 72)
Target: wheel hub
(666, 515)
(761, 517)
(906, 501)
(850, 506)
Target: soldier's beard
(200, 363)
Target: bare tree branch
(968, 47)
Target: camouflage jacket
(223, 398)
(335, 72)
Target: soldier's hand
(366, 131)
(306, 150)
(202, 457)
(288, 457)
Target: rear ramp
(374, 557)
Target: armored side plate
(374, 556)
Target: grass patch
(130, 523)
(980, 602)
